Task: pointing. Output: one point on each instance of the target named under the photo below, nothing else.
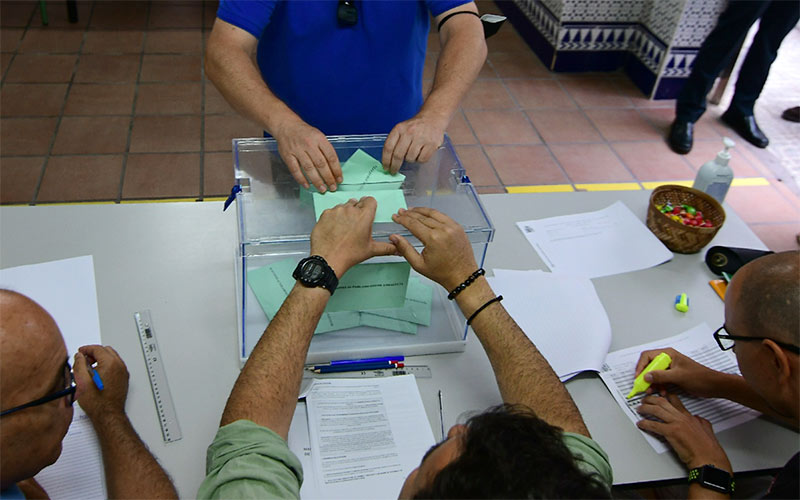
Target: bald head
(765, 298)
(33, 354)
(29, 341)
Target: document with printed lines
(697, 343)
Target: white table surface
(177, 259)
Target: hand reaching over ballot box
(447, 257)
(414, 140)
(343, 235)
(308, 154)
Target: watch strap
(328, 280)
(712, 478)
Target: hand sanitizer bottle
(715, 176)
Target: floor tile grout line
(609, 144)
(488, 158)
(203, 84)
(127, 151)
(60, 118)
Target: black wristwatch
(712, 478)
(313, 271)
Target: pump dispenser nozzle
(725, 155)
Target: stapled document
(594, 244)
(364, 436)
(562, 315)
(696, 343)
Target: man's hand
(306, 150)
(343, 235)
(689, 435)
(415, 140)
(683, 372)
(447, 257)
(113, 373)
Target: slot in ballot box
(276, 217)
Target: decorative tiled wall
(656, 41)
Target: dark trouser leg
(715, 54)
(776, 22)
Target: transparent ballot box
(276, 217)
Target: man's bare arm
(523, 375)
(131, 470)
(266, 390)
(463, 53)
(304, 149)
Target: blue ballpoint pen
(365, 360)
(96, 377)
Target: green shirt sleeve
(247, 460)
(589, 457)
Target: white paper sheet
(593, 244)
(562, 315)
(366, 436)
(78, 473)
(300, 443)
(696, 343)
(66, 289)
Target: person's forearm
(523, 375)
(237, 78)
(463, 54)
(131, 470)
(266, 390)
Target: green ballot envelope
(389, 202)
(362, 172)
(364, 287)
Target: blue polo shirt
(361, 79)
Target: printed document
(366, 436)
(562, 315)
(594, 244)
(696, 343)
(66, 289)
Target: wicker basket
(676, 236)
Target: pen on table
(357, 362)
(357, 367)
(96, 377)
(365, 360)
(441, 414)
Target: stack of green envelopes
(381, 295)
(363, 175)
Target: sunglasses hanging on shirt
(346, 13)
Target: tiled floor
(116, 108)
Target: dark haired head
(509, 452)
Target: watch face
(312, 270)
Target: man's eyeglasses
(727, 341)
(68, 392)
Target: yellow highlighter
(660, 362)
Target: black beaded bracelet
(481, 308)
(466, 283)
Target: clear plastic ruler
(418, 371)
(158, 377)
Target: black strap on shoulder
(448, 16)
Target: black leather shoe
(681, 136)
(746, 127)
